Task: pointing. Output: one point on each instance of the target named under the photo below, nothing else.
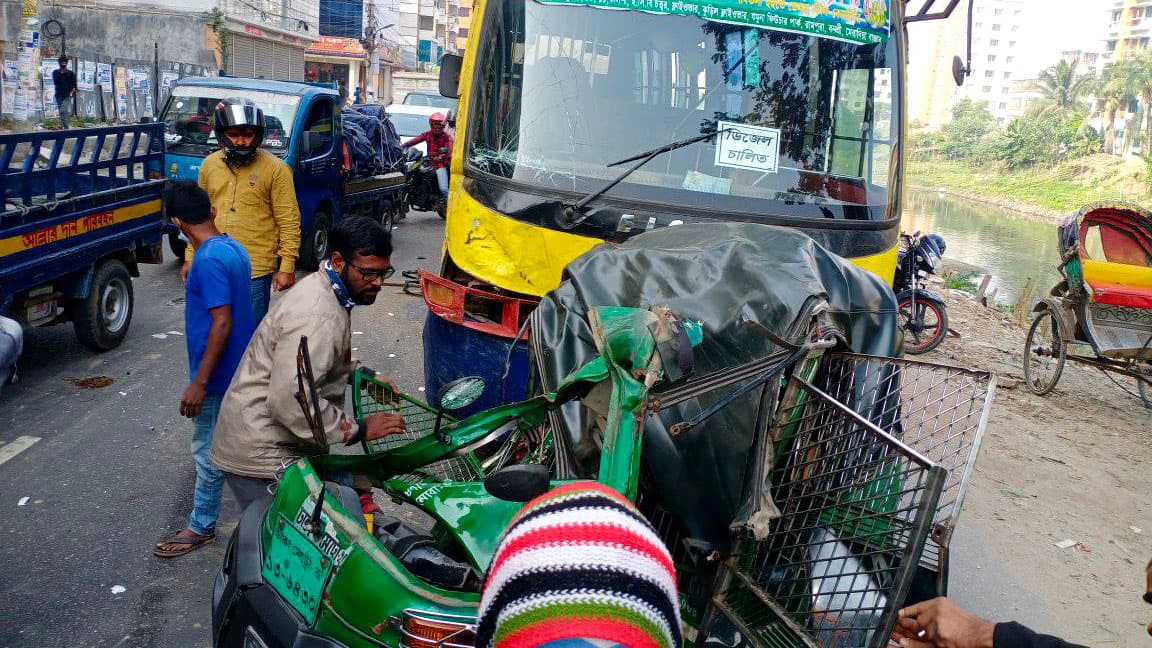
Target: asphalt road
(111, 473)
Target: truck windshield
(188, 117)
(808, 123)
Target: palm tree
(1116, 88)
(1142, 79)
(1063, 86)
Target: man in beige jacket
(260, 423)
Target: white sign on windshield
(741, 146)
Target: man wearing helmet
(255, 200)
(439, 144)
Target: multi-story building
(997, 28)
(464, 23)
(427, 28)
(1087, 61)
(1129, 29)
(930, 89)
(267, 38)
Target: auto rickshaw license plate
(296, 568)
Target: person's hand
(185, 268)
(382, 425)
(940, 623)
(192, 401)
(283, 281)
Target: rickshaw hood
(736, 279)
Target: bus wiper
(574, 215)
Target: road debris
(23, 501)
(91, 382)
(1135, 529)
(160, 336)
(1066, 544)
(119, 589)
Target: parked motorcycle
(923, 314)
(423, 189)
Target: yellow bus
(583, 121)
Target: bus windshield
(807, 124)
(189, 113)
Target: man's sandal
(186, 539)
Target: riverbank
(1072, 465)
(1049, 194)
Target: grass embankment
(1064, 187)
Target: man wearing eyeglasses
(261, 424)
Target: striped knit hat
(580, 562)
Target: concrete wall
(132, 34)
(405, 82)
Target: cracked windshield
(803, 120)
(576, 324)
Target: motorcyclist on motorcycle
(439, 144)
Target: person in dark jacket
(64, 83)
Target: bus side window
(318, 129)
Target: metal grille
(371, 396)
(937, 410)
(856, 506)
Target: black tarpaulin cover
(737, 279)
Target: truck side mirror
(959, 70)
(450, 66)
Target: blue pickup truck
(82, 208)
(302, 127)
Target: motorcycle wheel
(924, 329)
(442, 208)
(1145, 389)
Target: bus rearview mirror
(959, 70)
(450, 66)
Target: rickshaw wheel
(1143, 387)
(1044, 354)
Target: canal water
(1010, 246)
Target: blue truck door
(318, 178)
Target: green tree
(971, 121)
(1116, 88)
(1142, 86)
(1063, 87)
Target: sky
(1061, 25)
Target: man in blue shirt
(218, 323)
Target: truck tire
(101, 320)
(314, 246)
(178, 246)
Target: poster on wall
(11, 73)
(104, 77)
(120, 82)
(86, 78)
(48, 95)
(8, 100)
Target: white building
(427, 28)
(997, 35)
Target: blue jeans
(442, 180)
(64, 104)
(209, 479)
(261, 294)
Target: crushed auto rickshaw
(737, 381)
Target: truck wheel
(101, 320)
(177, 245)
(314, 247)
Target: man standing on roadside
(64, 82)
(261, 423)
(217, 325)
(255, 200)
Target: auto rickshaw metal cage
(872, 458)
(1100, 314)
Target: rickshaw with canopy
(1100, 314)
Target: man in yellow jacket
(255, 200)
